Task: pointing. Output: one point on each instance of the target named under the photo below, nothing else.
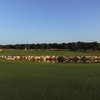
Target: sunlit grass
(48, 52)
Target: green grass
(48, 52)
(23, 80)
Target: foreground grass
(47, 81)
(48, 52)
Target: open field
(47, 52)
(23, 80)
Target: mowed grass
(23, 80)
(11, 52)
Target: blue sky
(39, 21)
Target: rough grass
(23, 80)
(48, 52)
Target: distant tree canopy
(73, 46)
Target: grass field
(23, 80)
(48, 52)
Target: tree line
(73, 46)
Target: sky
(49, 21)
